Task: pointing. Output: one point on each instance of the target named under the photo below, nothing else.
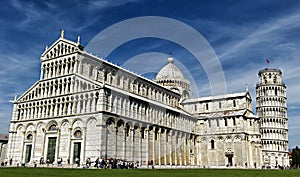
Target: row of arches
(270, 77)
(144, 89)
(152, 93)
(208, 106)
(221, 122)
(59, 50)
(228, 125)
(128, 82)
(225, 138)
(226, 150)
(56, 87)
(134, 86)
(275, 145)
(274, 142)
(114, 102)
(68, 105)
(274, 122)
(59, 67)
(137, 141)
(271, 111)
(271, 101)
(49, 88)
(271, 91)
(52, 139)
(174, 82)
(81, 85)
(55, 125)
(143, 111)
(274, 134)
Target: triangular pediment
(60, 48)
(86, 84)
(83, 84)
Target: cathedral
(84, 107)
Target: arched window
(29, 137)
(275, 79)
(212, 144)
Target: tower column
(270, 101)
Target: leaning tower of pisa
(272, 110)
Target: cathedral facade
(85, 107)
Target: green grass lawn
(53, 172)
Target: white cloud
(95, 4)
(270, 31)
(31, 13)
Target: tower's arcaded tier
(272, 110)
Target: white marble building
(272, 110)
(3, 147)
(228, 130)
(85, 107)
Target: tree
(296, 157)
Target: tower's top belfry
(270, 77)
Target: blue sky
(242, 33)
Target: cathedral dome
(172, 78)
(170, 71)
